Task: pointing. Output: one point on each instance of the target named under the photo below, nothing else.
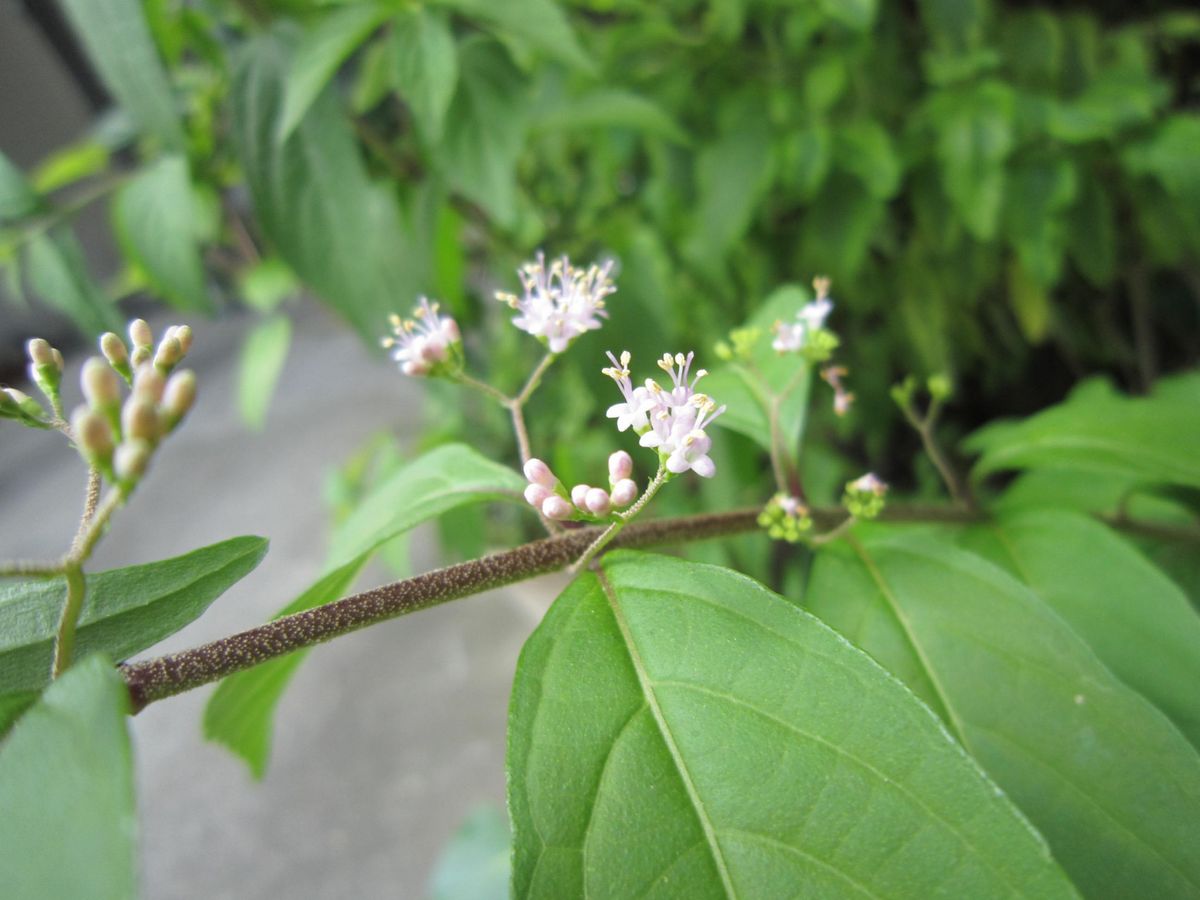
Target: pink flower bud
(535, 495)
(114, 350)
(555, 507)
(620, 466)
(624, 492)
(99, 383)
(539, 473)
(169, 353)
(140, 333)
(148, 384)
(597, 501)
(579, 495)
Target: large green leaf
(155, 216)
(424, 67)
(1102, 773)
(1137, 620)
(677, 730)
(239, 714)
(320, 52)
(485, 129)
(538, 23)
(119, 44)
(1153, 439)
(66, 788)
(58, 274)
(442, 479)
(339, 232)
(125, 610)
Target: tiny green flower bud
(939, 386)
(140, 356)
(148, 384)
(178, 397)
(18, 405)
(100, 386)
(93, 436)
(169, 353)
(40, 352)
(864, 497)
(114, 351)
(131, 458)
(140, 333)
(139, 420)
(902, 393)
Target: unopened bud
(100, 386)
(148, 384)
(178, 396)
(597, 501)
(539, 473)
(41, 353)
(131, 458)
(579, 495)
(169, 353)
(939, 386)
(535, 495)
(139, 420)
(183, 334)
(59, 363)
(624, 492)
(555, 507)
(93, 435)
(620, 466)
(117, 355)
(19, 405)
(140, 356)
(140, 333)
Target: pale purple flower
(678, 433)
(869, 484)
(794, 336)
(424, 341)
(638, 402)
(560, 302)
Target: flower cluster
(560, 302)
(842, 398)
(864, 497)
(785, 518)
(426, 344)
(807, 334)
(546, 493)
(119, 437)
(670, 420)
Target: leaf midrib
(685, 776)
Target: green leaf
(66, 788)
(118, 42)
(124, 611)
(70, 164)
(1109, 781)
(787, 374)
(677, 730)
(425, 67)
(17, 197)
(1170, 158)
(240, 713)
(1152, 439)
(1036, 196)
(485, 129)
(58, 274)
(263, 355)
(154, 216)
(805, 157)
(541, 24)
(1136, 619)
(612, 108)
(442, 479)
(320, 52)
(267, 283)
(855, 14)
(864, 149)
(314, 202)
(475, 864)
(1092, 233)
(1030, 302)
(12, 707)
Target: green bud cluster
(865, 497)
(785, 518)
(740, 345)
(820, 345)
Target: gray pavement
(387, 738)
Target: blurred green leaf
(539, 23)
(66, 788)
(1109, 781)
(1152, 439)
(805, 159)
(1036, 197)
(855, 14)
(57, 273)
(765, 755)
(17, 197)
(485, 130)
(1092, 233)
(611, 108)
(1108, 106)
(1030, 303)
(125, 610)
(475, 864)
(1135, 618)
(1170, 156)
(864, 149)
(425, 67)
(119, 44)
(12, 707)
(267, 283)
(70, 164)
(155, 218)
(320, 53)
(264, 353)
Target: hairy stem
(64, 637)
(90, 501)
